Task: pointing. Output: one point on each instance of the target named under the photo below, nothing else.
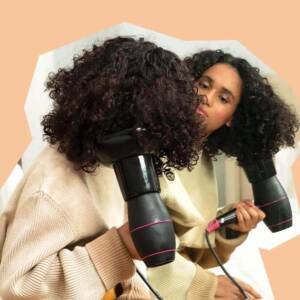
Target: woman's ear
(228, 123)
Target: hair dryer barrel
(269, 195)
(149, 222)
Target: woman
(245, 119)
(58, 236)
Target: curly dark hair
(262, 122)
(120, 84)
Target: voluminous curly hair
(124, 83)
(262, 122)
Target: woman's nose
(207, 99)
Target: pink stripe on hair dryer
(150, 225)
(269, 196)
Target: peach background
(29, 28)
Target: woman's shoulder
(53, 182)
(52, 172)
(51, 176)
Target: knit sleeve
(187, 278)
(133, 289)
(223, 246)
(227, 240)
(183, 280)
(40, 259)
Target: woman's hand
(127, 240)
(248, 216)
(226, 290)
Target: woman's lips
(201, 112)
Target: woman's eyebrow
(207, 78)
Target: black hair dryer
(149, 222)
(269, 195)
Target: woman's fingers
(256, 214)
(249, 289)
(226, 289)
(248, 216)
(261, 214)
(253, 215)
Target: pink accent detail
(149, 224)
(269, 203)
(280, 223)
(213, 225)
(159, 252)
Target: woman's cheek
(222, 116)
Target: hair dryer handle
(149, 221)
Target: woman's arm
(183, 280)
(40, 258)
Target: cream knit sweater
(58, 238)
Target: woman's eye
(224, 99)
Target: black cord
(149, 286)
(223, 268)
(217, 259)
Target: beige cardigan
(58, 238)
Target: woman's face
(221, 88)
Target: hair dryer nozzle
(149, 221)
(269, 195)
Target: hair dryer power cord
(223, 268)
(149, 286)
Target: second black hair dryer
(149, 222)
(269, 195)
